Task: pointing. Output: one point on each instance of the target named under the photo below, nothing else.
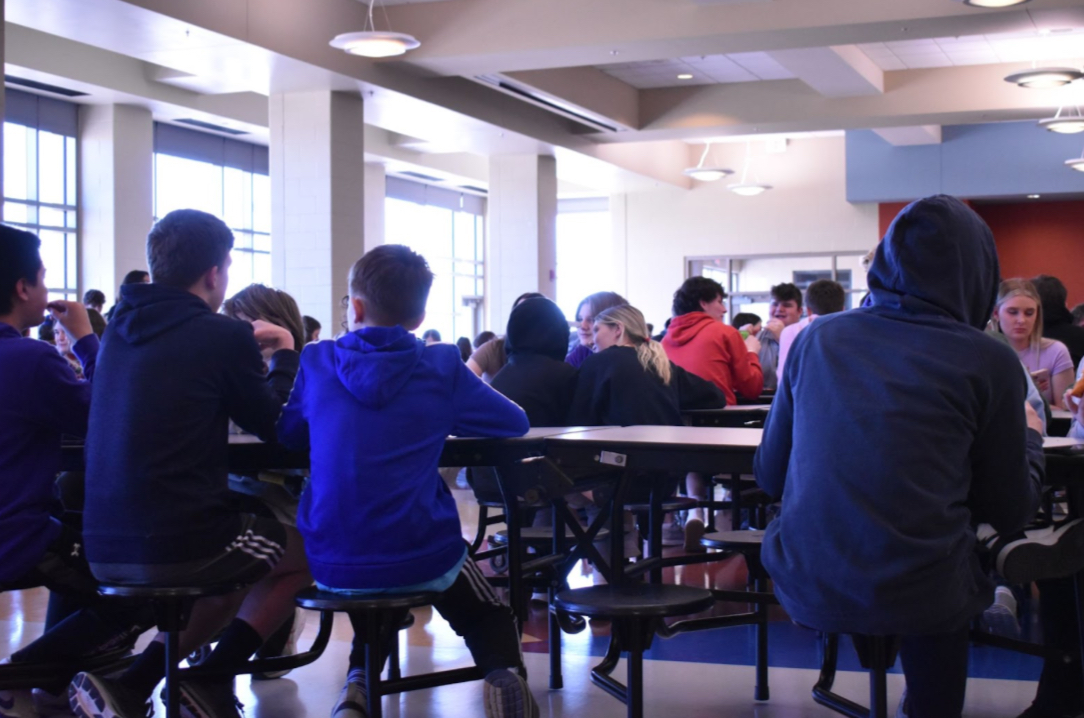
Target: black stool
(379, 610)
(635, 609)
(748, 544)
(172, 607)
(651, 526)
(876, 654)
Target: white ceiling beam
(907, 136)
(841, 71)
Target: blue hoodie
(896, 427)
(376, 406)
(170, 376)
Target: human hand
(272, 337)
(1075, 406)
(1034, 422)
(72, 316)
(752, 344)
(775, 326)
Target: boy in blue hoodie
(375, 407)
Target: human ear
(356, 311)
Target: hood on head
(938, 254)
(537, 326)
(374, 363)
(148, 310)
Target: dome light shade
(749, 190)
(375, 44)
(1042, 78)
(1077, 164)
(1064, 124)
(707, 174)
(994, 3)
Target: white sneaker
(1051, 552)
(508, 696)
(352, 699)
(1000, 618)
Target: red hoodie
(714, 351)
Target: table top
(1060, 442)
(1063, 414)
(663, 437)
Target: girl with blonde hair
(1019, 316)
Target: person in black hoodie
(1057, 319)
(896, 428)
(171, 374)
(629, 381)
(536, 376)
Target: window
(584, 252)
(39, 183)
(223, 177)
(448, 229)
(749, 279)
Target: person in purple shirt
(41, 400)
(591, 306)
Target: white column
(521, 246)
(375, 193)
(116, 165)
(318, 197)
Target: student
(171, 375)
(822, 297)
(431, 336)
(42, 400)
(365, 490)
(589, 308)
(631, 381)
(748, 322)
(1078, 315)
(312, 329)
(1019, 316)
(94, 299)
(465, 348)
(273, 306)
(136, 276)
(875, 531)
(1058, 322)
(537, 377)
(784, 310)
(489, 353)
(64, 349)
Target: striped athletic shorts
(247, 559)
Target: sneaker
(673, 534)
(1000, 618)
(17, 704)
(92, 696)
(352, 699)
(507, 696)
(1051, 552)
(209, 698)
(694, 531)
(50, 704)
(288, 649)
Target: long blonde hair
(1022, 288)
(649, 352)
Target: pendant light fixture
(1043, 78)
(1077, 164)
(994, 3)
(1064, 125)
(745, 188)
(371, 42)
(707, 174)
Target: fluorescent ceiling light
(709, 173)
(1067, 125)
(685, 76)
(1034, 196)
(1041, 78)
(994, 3)
(370, 42)
(749, 190)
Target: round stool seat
(540, 535)
(674, 503)
(167, 592)
(634, 600)
(317, 600)
(734, 540)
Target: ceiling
(595, 80)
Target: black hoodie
(896, 428)
(171, 374)
(536, 376)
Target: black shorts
(258, 547)
(62, 568)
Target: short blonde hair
(649, 352)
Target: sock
(150, 668)
(237, 644)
